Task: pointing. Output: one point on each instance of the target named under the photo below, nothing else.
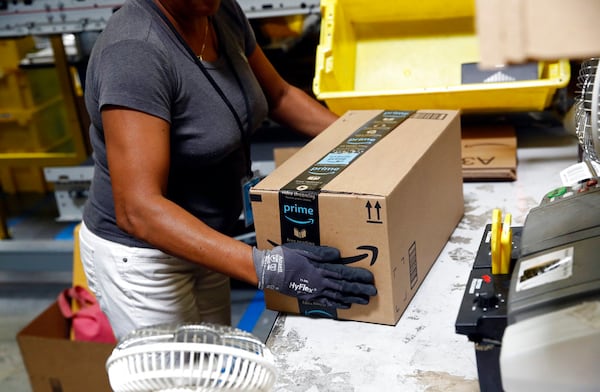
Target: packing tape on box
(298, 200)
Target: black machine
(538, 327)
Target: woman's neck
(188, 24)
(194, 27)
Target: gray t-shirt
(139, 63)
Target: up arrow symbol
(378, 207)
(369, 206)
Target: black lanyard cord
(217, 88)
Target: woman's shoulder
(132, 20)
(133, 24)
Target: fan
(587, 109)
(190, 357)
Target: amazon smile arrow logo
(309, 221)
(370, 251)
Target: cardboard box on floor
(55, 362)
(385, 187)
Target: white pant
(139, 287)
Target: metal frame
(71, 187)
(36, 17)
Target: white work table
(422, 352)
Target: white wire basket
(190, 357)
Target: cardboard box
(385, 187)
(56, 363)
(282, 154)
(489, 153)
(516, 31)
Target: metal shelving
(44, 17)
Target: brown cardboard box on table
(489, 153)
(384, 187)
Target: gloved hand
(311, 273)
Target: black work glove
(312, 273)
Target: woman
(174, 89)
